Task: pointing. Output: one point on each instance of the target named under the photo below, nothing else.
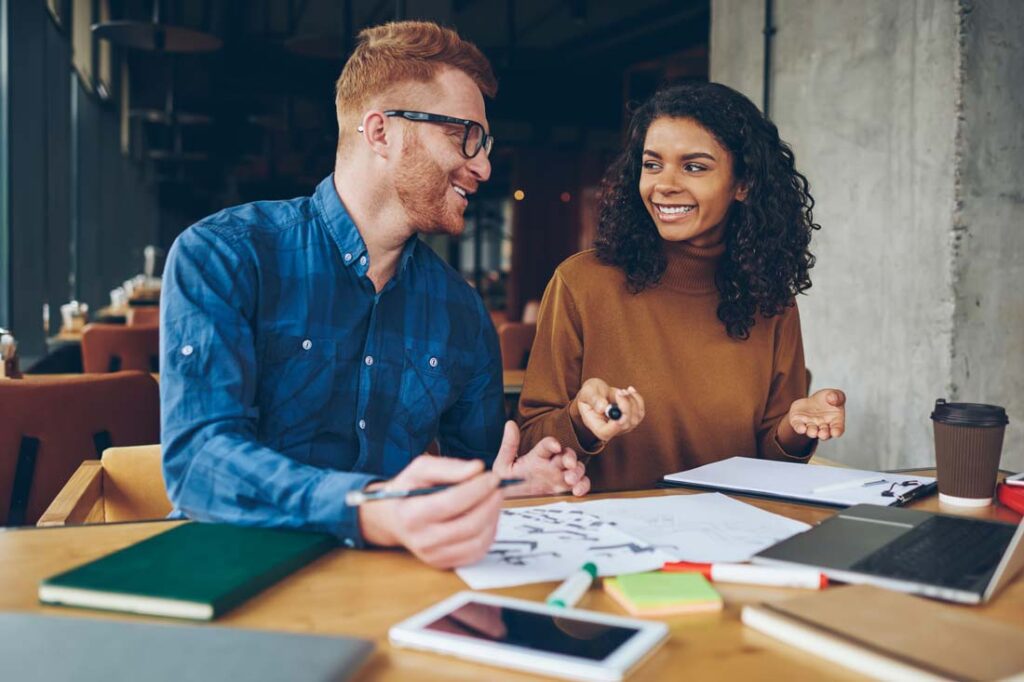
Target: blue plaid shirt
(287, 381)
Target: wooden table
(513, 380)
(363, 593)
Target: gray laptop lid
(56, 648)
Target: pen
(574, 587)
(752, 575)
(844, 485)
(358, 497)
(612, 411)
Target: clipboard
(798, 482)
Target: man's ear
(374, 130)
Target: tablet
(568, 643)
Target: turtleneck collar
(691, 269)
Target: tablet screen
(538, 631)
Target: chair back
(133, 484)
(115, 347)
(516, 340)
(143, 316)
(48, 426)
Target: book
(889, 635)
(1012, 496)
(825, 485)
(663, 594)
(194, 571)
(35, 647)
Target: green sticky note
(663, 589)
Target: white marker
(752, 575)
(574, 587)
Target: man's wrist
(373, 519)
(795, 444)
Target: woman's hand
(821, 416)
(593, 399)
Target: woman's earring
(359, 129)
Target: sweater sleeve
(789, 383)
(547, 405)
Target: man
(313, 347)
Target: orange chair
(143, 316)
(114, 347)
(51, 425)
(516, 340)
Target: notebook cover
(657, 593)
(218, 565)
(940, 639)
(43, 648)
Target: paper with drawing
(538, 544)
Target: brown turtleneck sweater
(707, 396)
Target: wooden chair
(143, 316)
(516, 340)
(530, 311)
(115, 347)
(51, 425)
(126, 484)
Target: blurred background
(124, 121)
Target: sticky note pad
(661, 594)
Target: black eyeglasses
(473, 139)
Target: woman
(684, 315)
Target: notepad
(663, 594)
(195, 571)
(833, 486)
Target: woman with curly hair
(687, 301)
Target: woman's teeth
(674, 210)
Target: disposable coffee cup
(968, 444)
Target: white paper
(705, 528)
(801, 481)
(550, 542)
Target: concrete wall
(904, 118)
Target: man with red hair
(315, 347)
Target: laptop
(947, 557)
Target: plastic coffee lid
(969, 414)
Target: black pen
(358, 497)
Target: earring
(359, 129)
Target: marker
(752, 575)
(358, 497)
(574, 587)
(844, 485)
(612, 411)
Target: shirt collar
(344, 231)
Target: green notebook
(195, 571)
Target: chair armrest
(80, 500)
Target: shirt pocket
(430, 384)
(295, 386)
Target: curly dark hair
(766, 259)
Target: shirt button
(349, 542)
(362, 260)
(369, 360)
(433, 362)
(307, 344)
(348, 257)
(187, 350)
(362, 424)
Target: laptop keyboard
(942, 551)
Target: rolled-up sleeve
(215, 468)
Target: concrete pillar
(907, 119)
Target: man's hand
(594, 396)
(450, 528)
(548, 468)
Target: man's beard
(423, 188)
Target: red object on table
(1012, 497)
